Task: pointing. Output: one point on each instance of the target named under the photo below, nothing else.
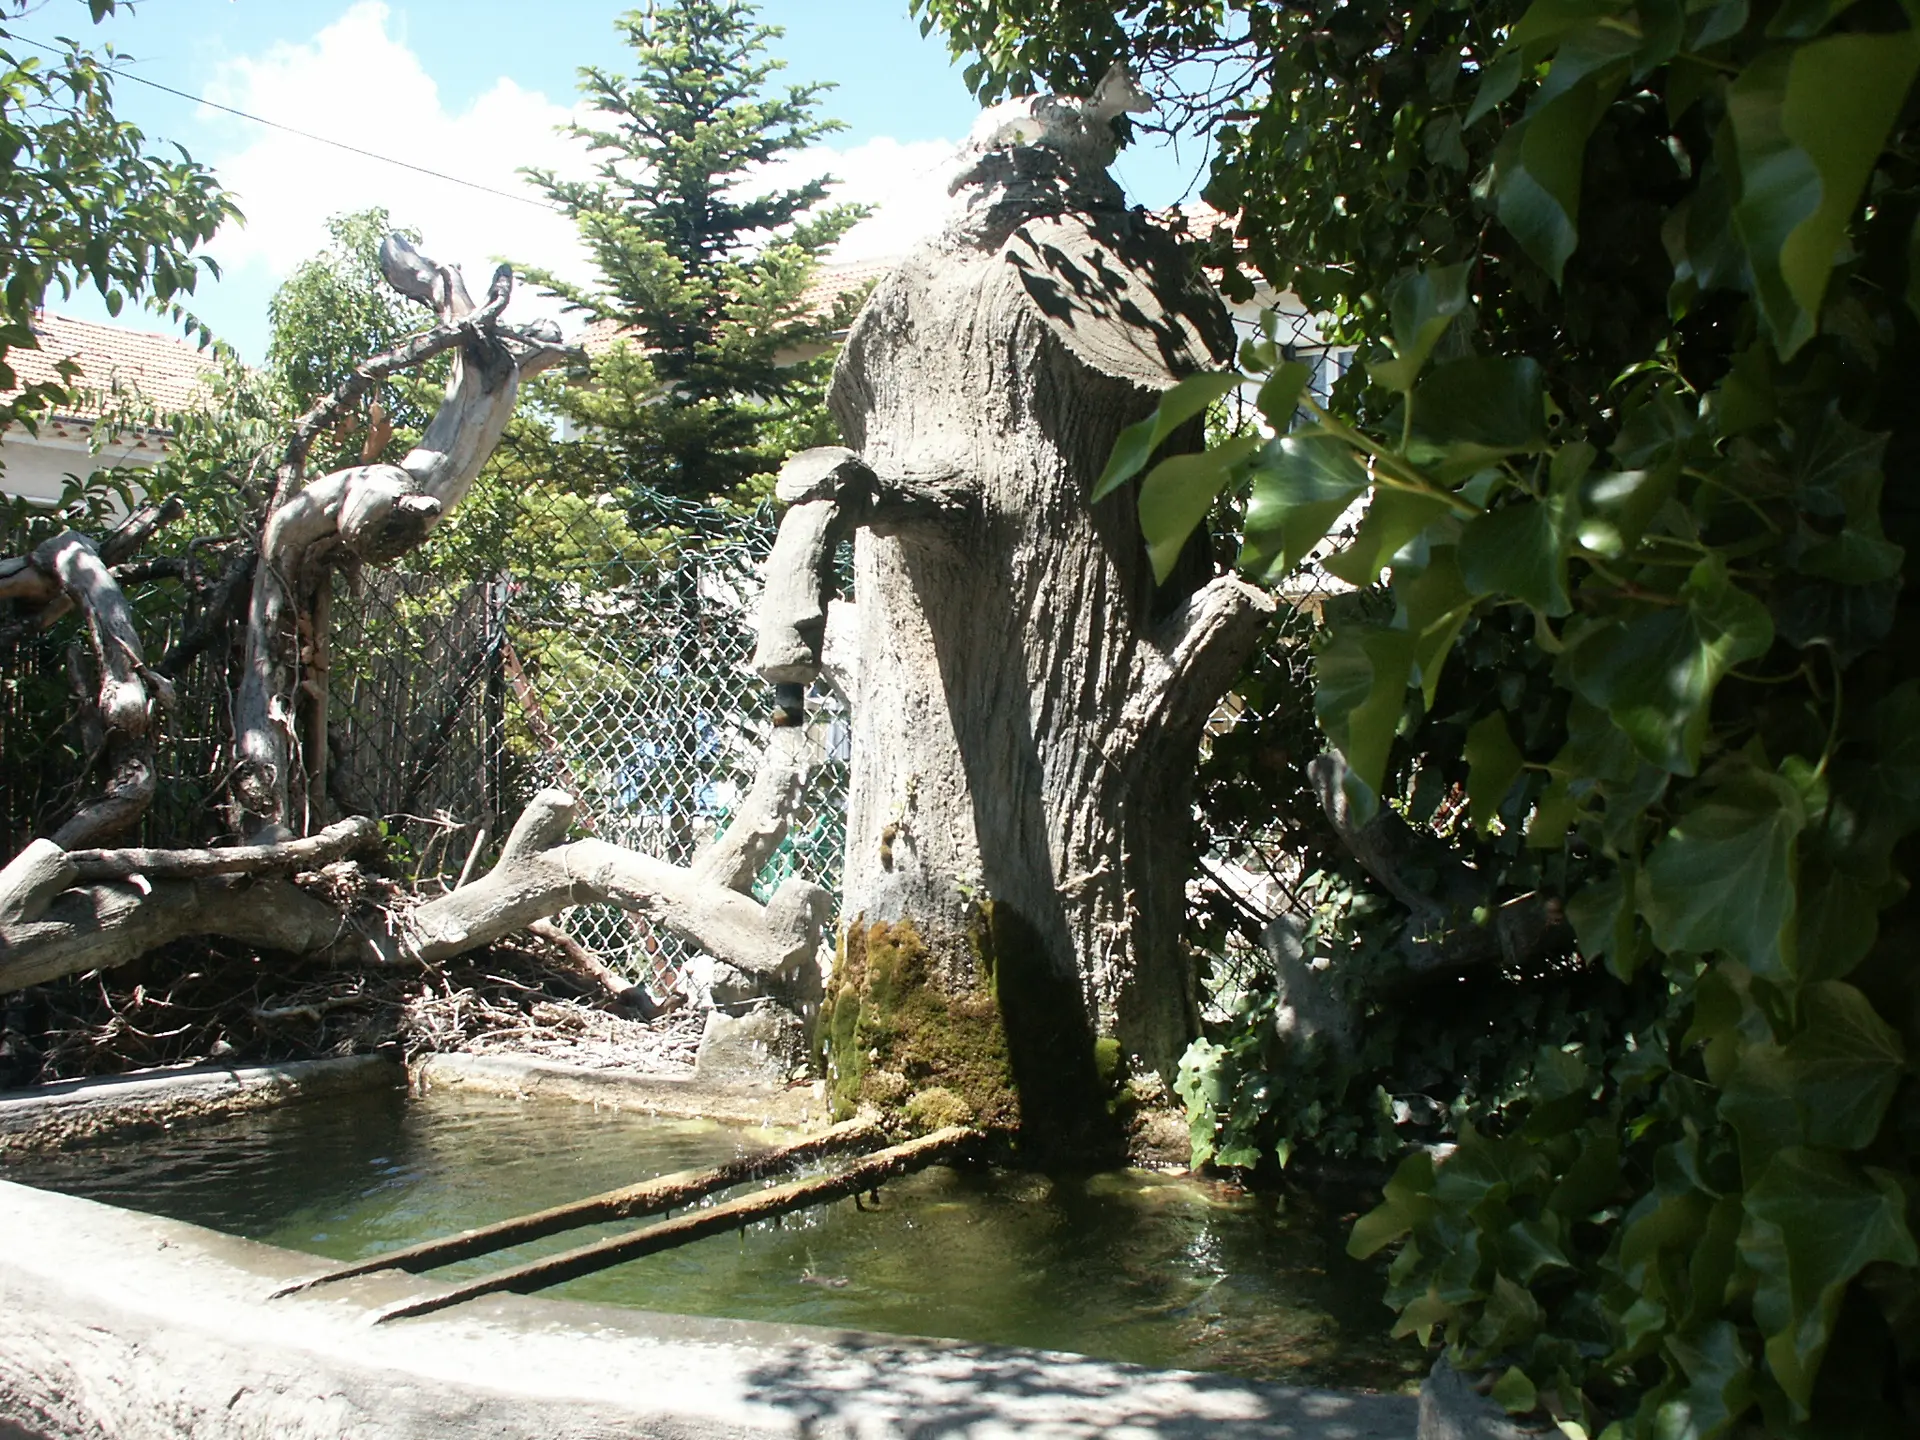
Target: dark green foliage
(705, 285)
(1633, 289)
(83, 201)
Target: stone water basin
(1126, 1266)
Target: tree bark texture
(1028, 702)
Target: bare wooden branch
(864, 1175)
(375, 512)
(96, 927)
(1446, 896)
(139, 527)
(308, 854)
(583, 961)
(128, 691)
(793, 605)
(734, 858)
(650, 1197)
(826, 472)
(30, 881)
(536, 877)
(1200, 648)
(131, 785)
(223, 607)
(83, 575)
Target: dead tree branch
(373, 512)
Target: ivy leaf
(1360, 695)
(1656, 674)
(1592, 1179)
(1514, 1393)
(1537, 168)
(1280, 394)
(1301, 485)
(1803, 19)
(1421, 305)
(1813, 1223)
(1829, 1086)
(1510, 1317)
(1849, 620)
(1136, 444)
(1407, 1202)
(1436, 605)
(1721, 881)
(1497, 84)
(1896, 737)
(1520, 550)
(1494, 762)
(1393, 518)
(1745, 400)
(1913, 267)
(1839, 920)
(1469, 412)
(1837, 470)
(1177, 494)
(1719, 1378)
(1809, 121)
(1602, 916)
(1853, 557)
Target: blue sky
(474, 88)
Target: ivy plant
(1699, 1226)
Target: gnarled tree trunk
(1027, 702)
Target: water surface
(1126, 1265)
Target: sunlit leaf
(1436, 604)
(1178, 492)
(1393, 518)
(1360, 694)
(1301, 485)
(1421, 306)
(1280, 393)
(1537, 169)
(1137, 442)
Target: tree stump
(1027, 702)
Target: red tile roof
(162, 369)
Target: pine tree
(702, 271)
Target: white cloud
(355, 83)
(905, 183)
(358, 83)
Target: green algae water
(1126, 1265)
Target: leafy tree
(83, 200)
(702, 273)
(1633, 290)
(337, 310)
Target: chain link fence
(608, 656)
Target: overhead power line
(309, 135)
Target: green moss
(938, 1108)
(1013, 1054)
(890, 1020)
